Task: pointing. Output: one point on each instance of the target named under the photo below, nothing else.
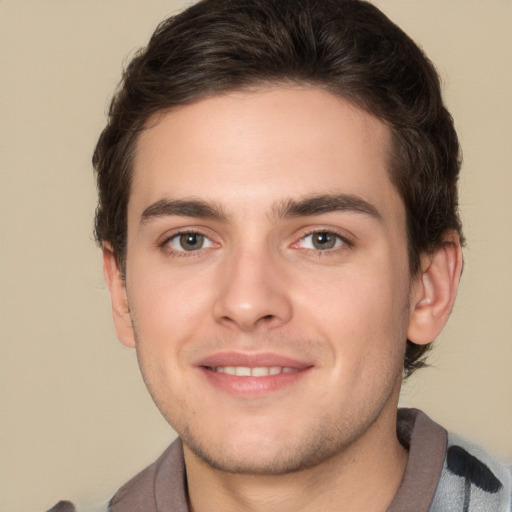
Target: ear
(117, 286)
(434, 290)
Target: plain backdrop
(76, 421)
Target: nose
(252, 292)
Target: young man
(278, 218)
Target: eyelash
(166, 247)
(341, 241)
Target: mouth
(257, 371)
(248, 375)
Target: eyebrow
(314, 205)
(182, 208)
(317, 205)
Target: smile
(258, 371)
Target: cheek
(166, 300)
(362, 312)
(166, 313)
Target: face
(267, 276)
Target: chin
(263, 456)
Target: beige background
(76, 421)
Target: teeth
(258, 371)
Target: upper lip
(251, 360)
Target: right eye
(188, 242)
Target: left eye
(189, 242)
(321, 241)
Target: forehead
(253, 149)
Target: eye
(321, 241)
(189, 242)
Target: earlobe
(118, 297)
(434, 291)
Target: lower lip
(253, 386)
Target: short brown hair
(347, 47)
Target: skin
(267, 276)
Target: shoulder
(160, 486)
(67, 506)
(472, 480)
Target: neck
(364, 476)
